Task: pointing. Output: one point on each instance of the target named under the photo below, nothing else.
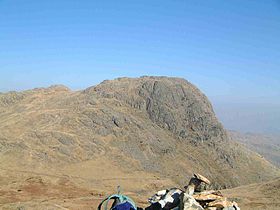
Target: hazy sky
(229, 49)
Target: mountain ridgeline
(157, 126)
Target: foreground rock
(208, 195)
(211, 200)
(190, 203)
(191, 199)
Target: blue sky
(229, 49)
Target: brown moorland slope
(260, 196)
(142, 133)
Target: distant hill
(142, 133)
(266, 145)
(248, 114)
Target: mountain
(141, 133)
(266, 145)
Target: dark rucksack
(121, 202)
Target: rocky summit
(141, 133)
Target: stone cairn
(210, 200)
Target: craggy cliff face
(173, 104)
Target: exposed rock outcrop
(172, 103)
